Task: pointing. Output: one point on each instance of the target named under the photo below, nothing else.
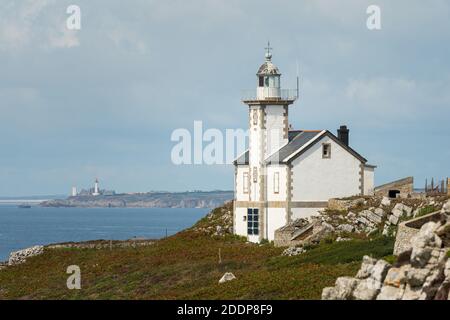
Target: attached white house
(289, 174)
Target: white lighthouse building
(289, 174)
(96, 189)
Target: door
(252, 221)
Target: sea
(22, 228)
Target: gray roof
(243, 159)
(268, 68)
(298, 141)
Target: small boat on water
(24, 206)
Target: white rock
(346, 228)
(380, 212)
(372, 217)
(400, 209)
(423, 244)
(329, 293)
(228, 276)
(380, 270)
(393, 219)
(344, 287)
(363, 291)
(386, 202)
(446, 207)
(390, 293)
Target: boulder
(365, 291)
(228, 276)
(396, 277)
(400, 210)
(372, 217)
(423, 244)
(386, 202)
(380, 212)
(346, 228)
(343, 288)
(446, 208)
(329, 293)
(393, 219)
(391, 293)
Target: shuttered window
(276, 182)
(245, 182)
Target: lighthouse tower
(268, 132)
(96, 190)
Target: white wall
(256, 139)
(271, 170)
(240, 226)
(298, 213)
(318, 179)
(369, 181)
(276, 218)
(274, 129)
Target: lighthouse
(289, 174)
(96, 190)
(268, 131)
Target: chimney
(343, 133)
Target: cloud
(34, 24)
(64, 38)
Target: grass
(426, 210)
(186, 266)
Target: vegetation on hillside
(188, 265)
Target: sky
(104, 100)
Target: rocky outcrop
(366, 216)
(217, 223)
(421, 273)
(21, 256)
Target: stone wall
(405, 186)
(284, 235)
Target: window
(261, 81)
(276, 182)
(252, 221)
(255, 174)
(245, 182)
(255, 117)
(326, 151)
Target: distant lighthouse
(74, 191)
(96, 191)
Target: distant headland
(189, 199)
